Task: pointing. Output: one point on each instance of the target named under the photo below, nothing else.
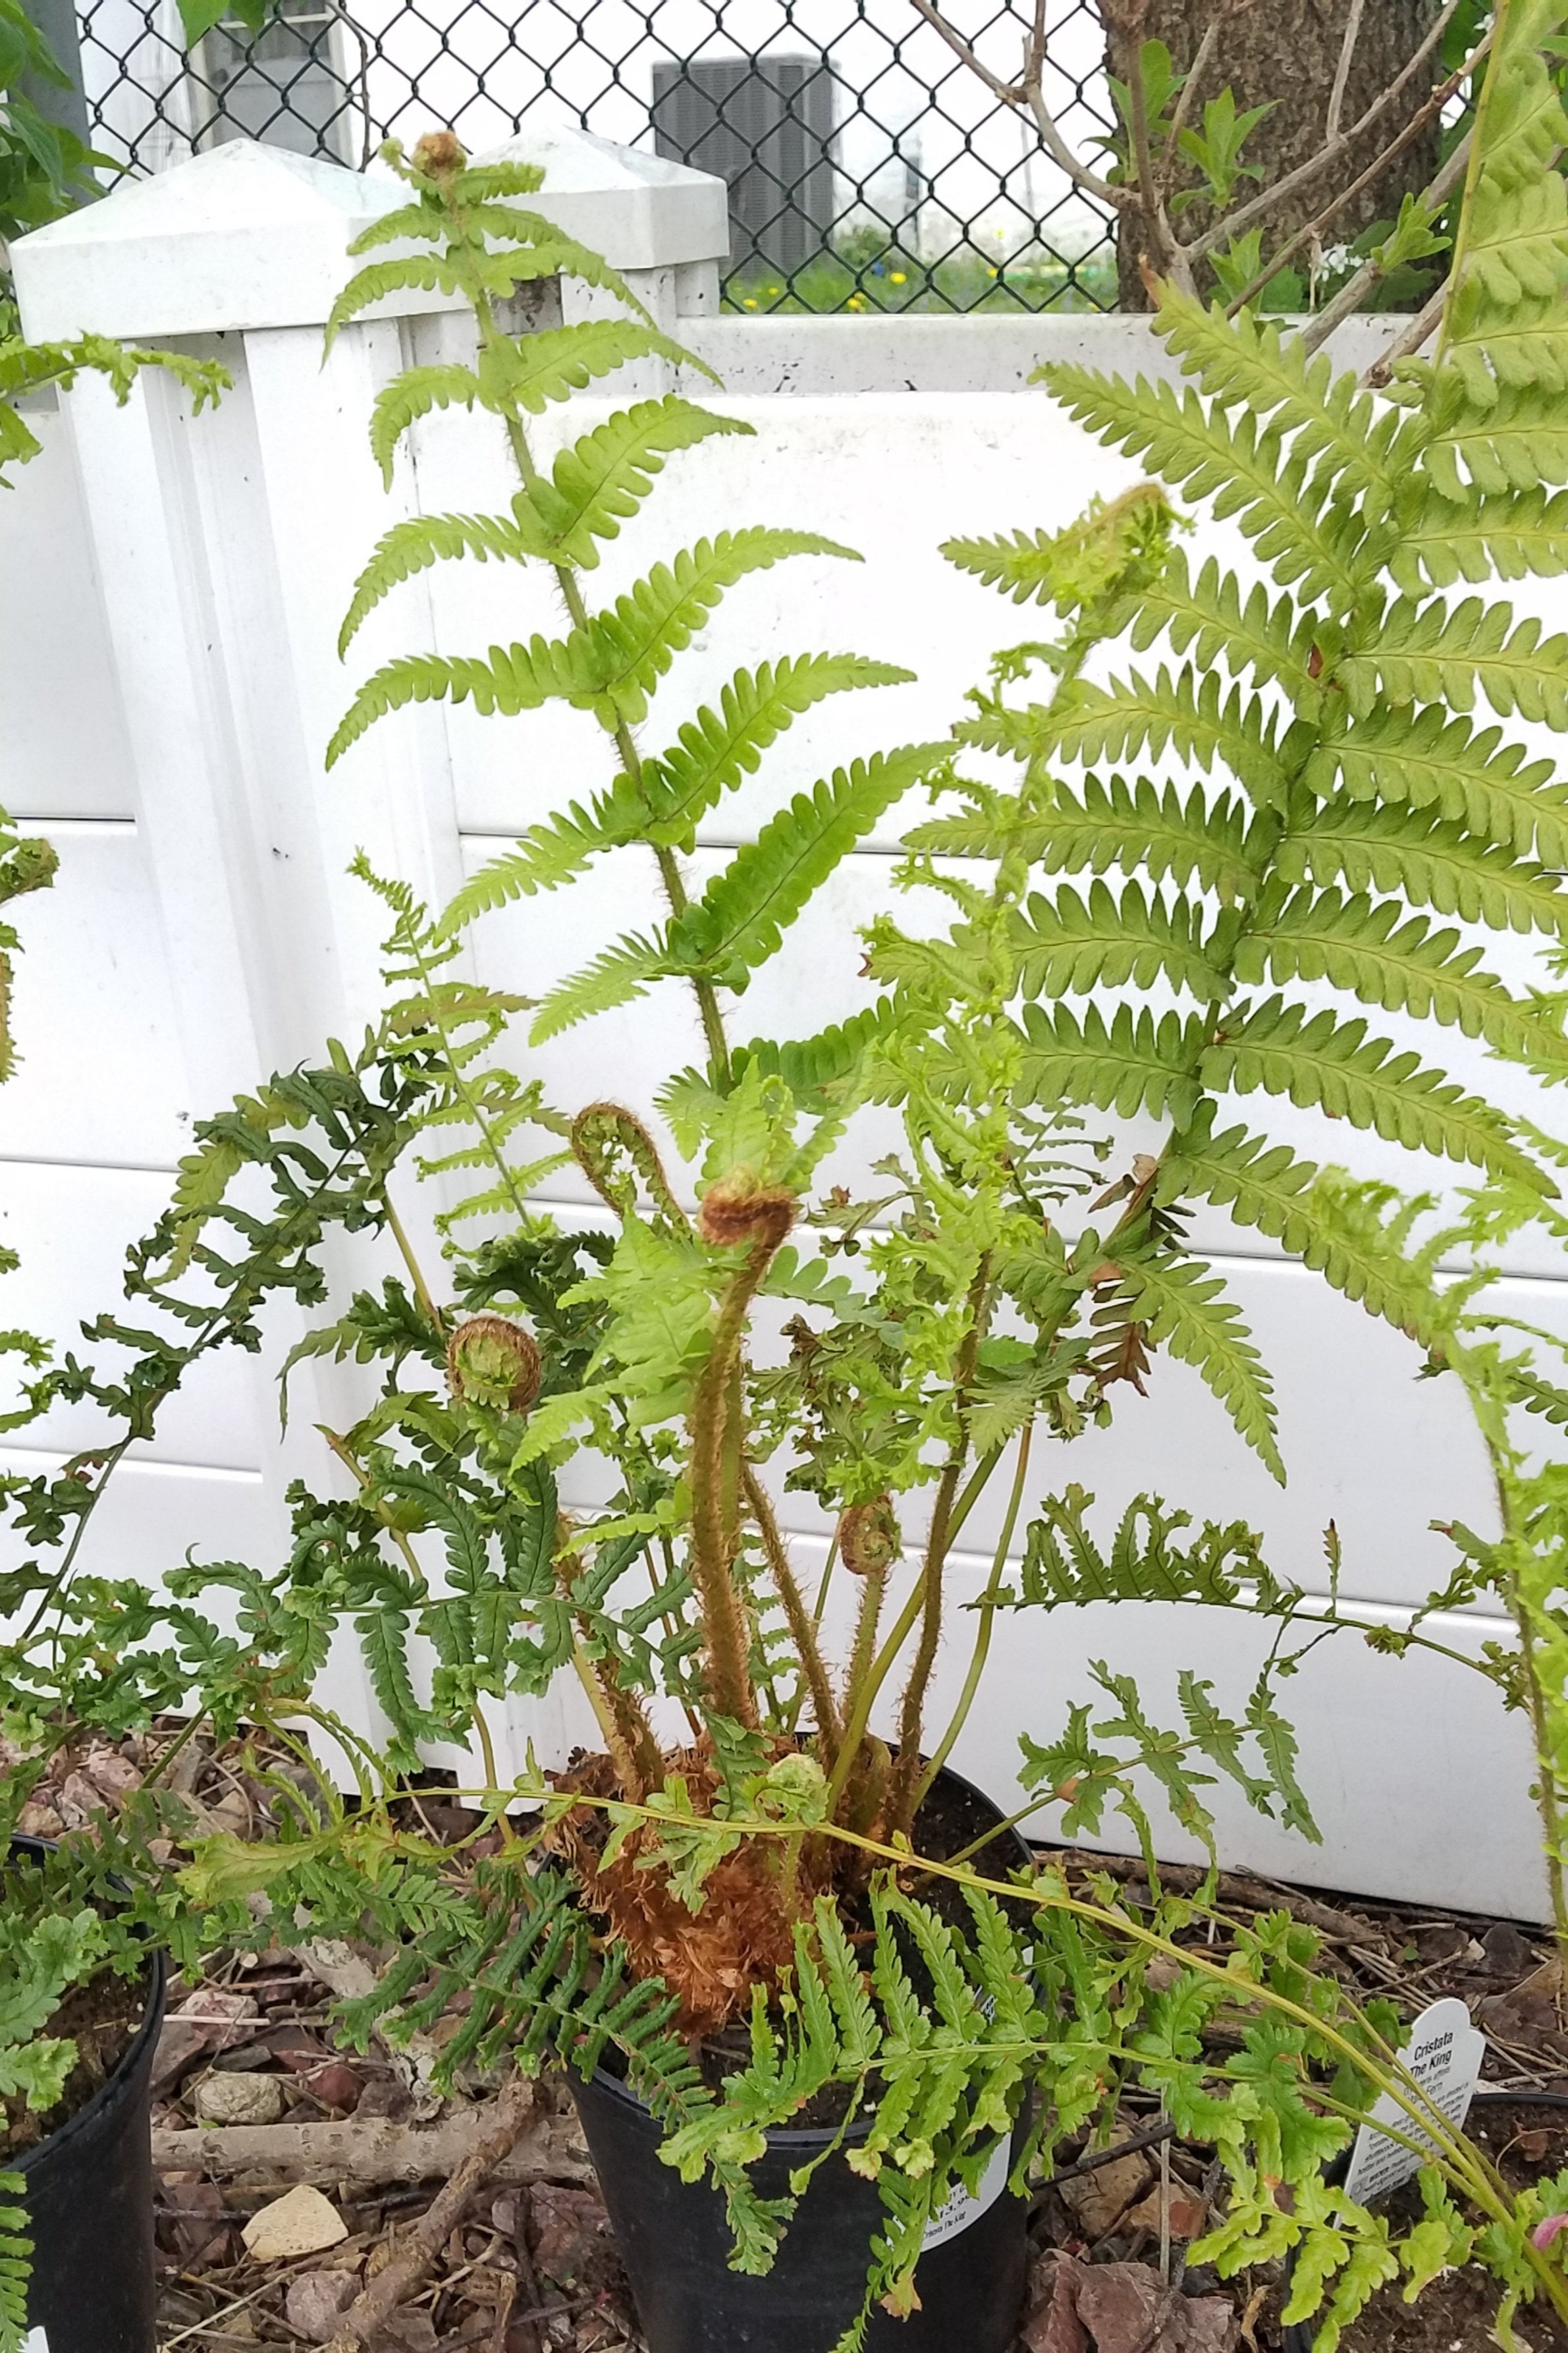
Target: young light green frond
(1064, 1566)
(1436, 652)
(1363, 946)
(618, 975)
(602, 479)
(1433, 861)
(1361, 443)
(1242, 468)
(1073, 944)
(1508, 538)
(427, 273)
(1021, 564)
(1325, 1064)
(547, 855)
(1185, 1309)
(513, 678)
(1194, 717)
(1266, 1186)
(415, 545)
(1427, 760)
(635, 641)
(409, 397)
(716, 749)
(829, 1057)
(1134, 1063)
(422, 219)
(535, 370)
(1141, 828)
(740, 920)
(1273, 643)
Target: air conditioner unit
(284, 86)
(765, 126)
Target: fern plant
(1343, 807)
(1007, 1283)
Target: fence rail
(868, 168)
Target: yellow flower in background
(898, 277)
(750, 300)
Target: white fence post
(227, 546)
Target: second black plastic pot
(675, 2242)
(89, 2205)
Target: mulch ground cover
(254, 2106)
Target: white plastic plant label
(961, 2207)
(1444, 2054)
(35, 2341)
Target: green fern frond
(715, 749)
(1433, 861)
(635, 641)
(1503, 322)
(1404, 967)
(1023, 565)
(514, 678)
(412, 546)
(553, 363)
(1324, 1064)
(1519, 444)
(1436, 652)
(1244, 469)
(829, 1057)
(1508, 538)
(616, 977)
(1360, 445)
(1266, 1186)
(1183, 1308)
(1429, 761)
(548, 855)
(1131, 1064)
(1069, 943)
(15, 2263)
(1139, 827)
(602, 479)
(409, 397)
(742, 916)
(1190, 715)
(1063, 1566)
(1274, 643)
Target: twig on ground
(374, 2150)
(418, 2252)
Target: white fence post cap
(245, 236)
(640, 211)
(250, 236)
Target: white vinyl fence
(172, 591)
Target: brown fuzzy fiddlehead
(869, 1540)
(492, 1361)
(614, 1149)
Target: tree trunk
(1287, 51)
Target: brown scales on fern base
(743, 1935)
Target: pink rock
(317, 2301)
(1053, 2324)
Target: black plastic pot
(89, 2205)
(675, 2243)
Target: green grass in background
(862, 274)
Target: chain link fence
(868, 168)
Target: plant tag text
(1444, 2054)
(962, 2207)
